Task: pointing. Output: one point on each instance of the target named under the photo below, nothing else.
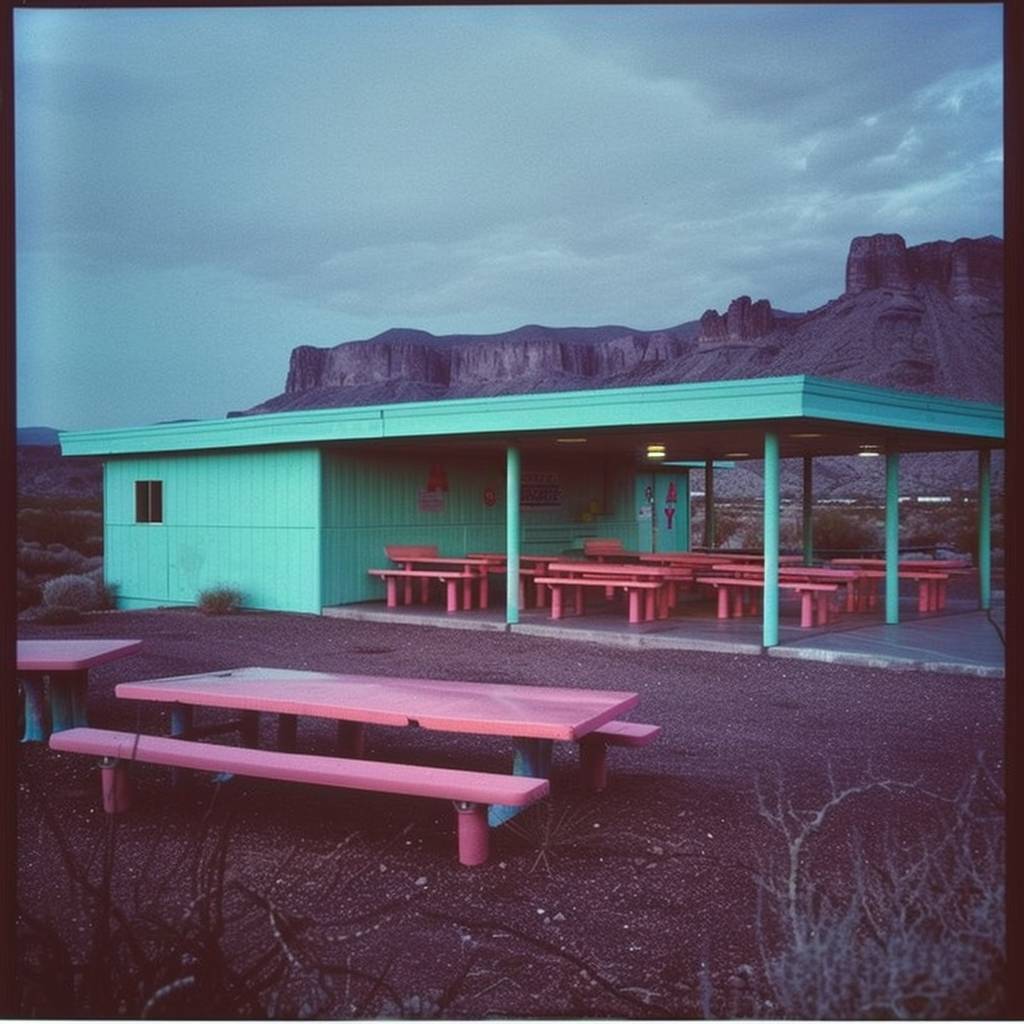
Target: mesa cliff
(922, 318)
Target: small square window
(149, 501)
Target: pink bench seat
(472, 791)
(813, 596)
(449, 579)
(594, 746)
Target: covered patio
(353, 480)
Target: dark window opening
(149, 501)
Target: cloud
(472, 169)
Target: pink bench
(472, 792)
(813, 596)
(634, 588)
(450, 580)
(594, 746)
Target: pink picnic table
(529, 566)
(63, 665)
(475, 564)
(532, 716)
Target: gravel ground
(252, 899)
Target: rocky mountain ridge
(923, 318)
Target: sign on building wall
(540, 490)
(431, 501)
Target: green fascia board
(761, 398)
(901, 410)
(692, 464)
(237, 432)
(701, 402)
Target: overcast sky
(199, 191)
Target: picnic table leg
(634, 606)
(391, 583)
(425, 590)
(579, 600)
(533, 758)
(940, 596)
(556, 602)
(115, 785)
(723, 602)
(351, 740)
(539, 595)
(649, 605)
(737, 602)
(485, 591)
(452, 589)
(474, 836)
(806, 609)
(822, 602)
(594, 763)
(467, 594)
(35, 708)
(181, 728)
(78, 684)
(62, 714)
(287, 732)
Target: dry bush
(911, 929)
(219, 600)
(73, 591)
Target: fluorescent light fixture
(736, 455)
(570, 440)
(869, 447)
(869, 455)
(653, 454)
(806, 435)
(655, 447)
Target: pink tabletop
(547, 712)
(70, 655)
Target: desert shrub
(219, 600)
(107, 592)
(38, 560)
(49, 525)
(906, 929)
(72, 591)
(836, 530)
(29, 593)
(53, 615)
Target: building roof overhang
(812, 416)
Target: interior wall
(458, 504)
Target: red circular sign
(490, 498)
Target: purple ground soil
(252, 898)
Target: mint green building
(293, 508)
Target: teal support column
(808, 510)
(512, 483)
(985, 528)
(892, 538)
(709, 503)
(771, 539)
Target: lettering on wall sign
(540, 490)
(431, 501)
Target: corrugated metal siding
(242, 519)
(372, 501)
